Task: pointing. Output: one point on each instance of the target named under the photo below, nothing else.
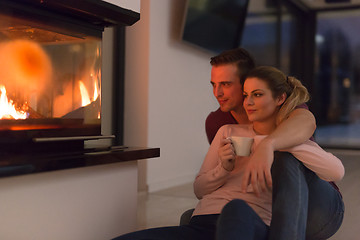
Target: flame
(96, 95)
(7, 107)
(96, 91)
(85, 99)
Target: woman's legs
(290, 198)
(239, 221)
(325, 210)
(304, 206)
(200, 228)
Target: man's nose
(218, 91)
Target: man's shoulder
(220, 116)
(215, 120)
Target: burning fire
(96, 90)
(85, 98)
(7, 107)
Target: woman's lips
(250, 111)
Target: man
(229, 69)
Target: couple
(242, 199)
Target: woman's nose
(248, 100)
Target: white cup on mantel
(242, 145)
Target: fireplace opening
(50, 81)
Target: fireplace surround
(50, 85)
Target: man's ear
(281, 99)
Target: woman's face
(259, 103)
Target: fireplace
(50, 81)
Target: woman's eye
(257, 94)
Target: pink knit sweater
(215, 186)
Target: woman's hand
(227, 154)
(257, 171)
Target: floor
(164, 208)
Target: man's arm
(293, 131)
(299, 127)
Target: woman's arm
(327, 166)
(212, 174)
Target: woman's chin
(251, 118)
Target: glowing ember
(7, 107)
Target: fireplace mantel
(91, 16)
(22, 163)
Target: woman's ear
(281, 99)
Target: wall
(93, 203)
(167, 95)
(133, 5)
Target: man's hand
(227, 154)
(257, 171)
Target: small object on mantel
(118, 148)
(58, 139)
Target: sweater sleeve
(211, 175)
(327, 166)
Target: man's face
(226, 87)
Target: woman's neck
(264, 128)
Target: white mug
(242, 145)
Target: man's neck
(240, 116)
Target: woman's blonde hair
(279, 83)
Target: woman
(303, 205)
(217, 184)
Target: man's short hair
(238, 56)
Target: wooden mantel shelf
(20, 164)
